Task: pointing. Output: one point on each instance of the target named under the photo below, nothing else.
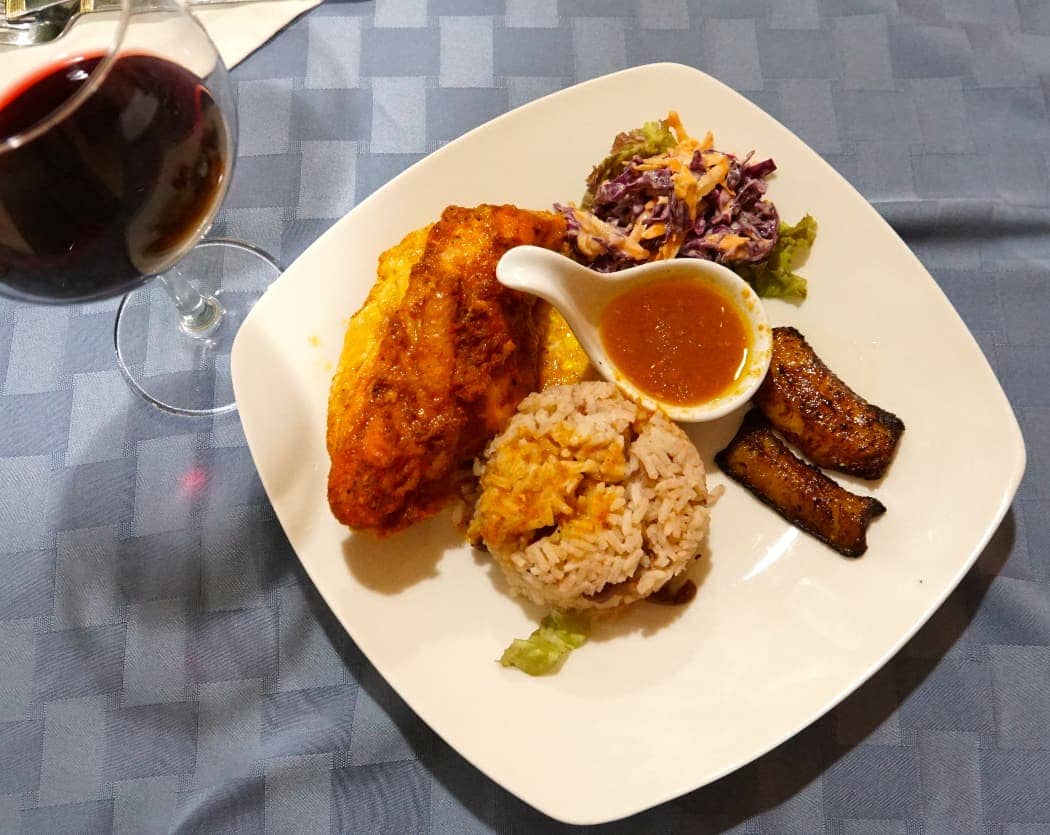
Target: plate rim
(1011, 444)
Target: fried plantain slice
(800, 493)
(831, 424)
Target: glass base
(181, 369)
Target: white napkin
(240, 29)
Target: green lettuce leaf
(545, 649)
(774, 277)
(650, 139)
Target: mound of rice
(588, 500)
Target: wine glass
(117, 144)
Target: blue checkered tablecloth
(166, 666)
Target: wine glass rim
(86, 90)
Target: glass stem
(199, 314)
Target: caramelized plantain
(800, 493)
(830, 423)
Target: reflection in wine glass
(117, 142)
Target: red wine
(117, 190)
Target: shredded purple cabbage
(736, 208)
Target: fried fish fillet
(832, 425)
(800, 493)
(431, 372)
(563, 362)
(366, 328)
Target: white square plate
(782, 628)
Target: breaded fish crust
(422, 388)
